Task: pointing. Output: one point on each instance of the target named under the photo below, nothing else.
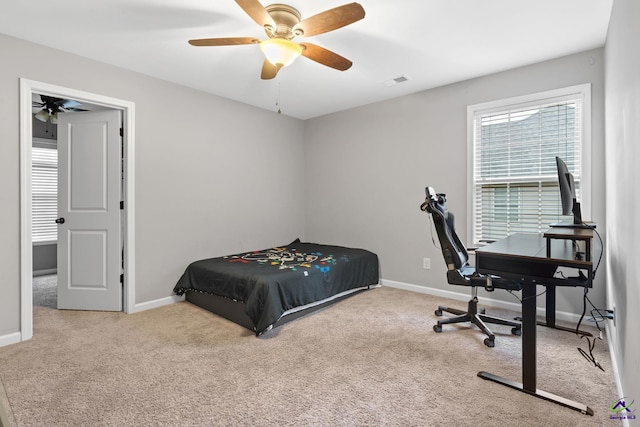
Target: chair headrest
(432, 197)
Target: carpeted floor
(372, 359)
(45, 292)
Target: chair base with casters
(477, 317)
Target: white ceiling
(431, 42)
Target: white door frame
(27, 88)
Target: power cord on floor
(590, 340)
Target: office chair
(459, 272)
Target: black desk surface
(526, 255)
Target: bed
(266, 288)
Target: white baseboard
(8, 339)
(614, 368)
(45, 272)
(490, 302)
(156, 303)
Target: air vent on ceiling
(400, 79)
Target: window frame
(581, 92)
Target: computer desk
(533, 259)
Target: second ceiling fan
(282, 23)
(49, 106)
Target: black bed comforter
(272, 281)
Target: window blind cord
(591, 342)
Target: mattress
(271, 282)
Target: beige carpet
(372, 359)
(45, 291)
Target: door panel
(89, 239)
(88, 251)
(88, 156)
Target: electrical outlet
(426, 263)
(614, 316)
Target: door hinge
(121, 204)
(122, 279)
(121, 143)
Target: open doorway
(44, 190)
(27, 90)
(47, 112)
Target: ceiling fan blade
(70, 103)
(330, 20)
(224, 41)
(257, 12)
(269, 71)
(325, 57)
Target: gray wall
(622, 59)
(212, 176)
(45, 259)
(44, 130)
(367, 168)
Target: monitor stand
(570, 224)
(577, 219)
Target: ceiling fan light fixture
(280, 52)
(42, 115)
(54, 118)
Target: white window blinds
(44, 182)
(515, 181)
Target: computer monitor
(570, 204)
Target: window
(513, 145)
(44, 193)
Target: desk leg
(551, 313)
(551, 306)
(528, 384)
(529, 338)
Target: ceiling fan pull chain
(278, 100)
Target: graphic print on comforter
(286, 258)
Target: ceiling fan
(51, 106)
(282, 23)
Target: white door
(89, 234)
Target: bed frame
(235, 310)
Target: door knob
(60, 221)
